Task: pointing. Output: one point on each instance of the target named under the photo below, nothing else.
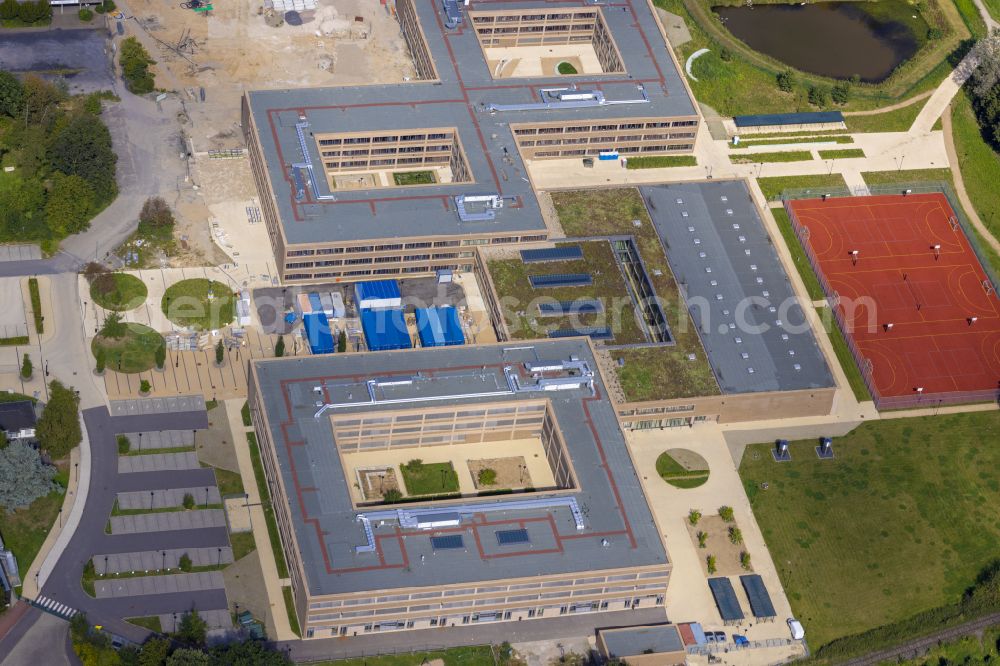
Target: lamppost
(151, 500)
(76, 466)
(206, 498)
(163, 563)
(60, 517)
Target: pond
(835, 39)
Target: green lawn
(510, 277)
(429, 479)
(653, 372)
(245, 414)
(118, 291)
(979, 163)
(566, 68)
(479, 655)
(14, 342)
(243, 544)
(293, 619)
(898, 120)
(151, 622)
(773, 187)
(229, 483)
(781, 140)
(24, 530)
(661, 161)
(36, 305)
(187, 303)
(134, 352)
(786, 156)
(847, 153)
(906, 177)
(414, 178)
(901, 521)
(846, 358)
(677, 475)
(265, 501)
(798, 255)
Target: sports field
(914, 298)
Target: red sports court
(914, 300)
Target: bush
(392, 495)
(487, 476)
(735, 535)
(26, 367)
(58, 429)
(124, 445)
(192, 629)
(36, 305)
(220, 353)
(702, 539)
(100, 360)
(694, 516)
(712, 564)
(786, 81)
(85, 15)
(185, 561)
(161, 356)
(23, 476)
(145, 386)
(725, 55)
(114, 327)
(135, 62)
(726, 513)
(156, 213)
(9, 10)
(819, 96)
(342, 342)
(279, 346)
(414, 464)
(841, 92)
(188, 502)
(745, 560)
(34, 12)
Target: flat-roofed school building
(405, 179)
(579, 539)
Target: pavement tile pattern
(152, 560)
(166, 498)
(168, 521)
(160, 439)
(167, 584)
(158, 462)
(143, 406)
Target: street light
(150, 500)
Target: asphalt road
(38, 639)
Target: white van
(798, 633)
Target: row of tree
(984, 87)
(38, 11)
(817, 95)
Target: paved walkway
(943, 94)
(158, 560)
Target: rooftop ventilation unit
(453, 13)
(478, 207)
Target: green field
(980, 166)
(429, 478)
(907, 177)
(677, 475)
(901, 521)
(774, 186)
(24, 530)
(117, 291)
(661, 161)
(765, 158)
(199, 303)
(134, 352)
(480, 655)
(648, 373)
(798, 255)
(897, 120)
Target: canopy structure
(439, 327)
(318, 334)
(725, 599)
(385, 329)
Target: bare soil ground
(375, 482)
(727, 554)
(511, 472)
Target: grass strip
(229, 483)
(265, 505)
(243, 544)
(786, 156)
(116, 511)
(477, 655)
(846, 153)
(979, 163)
(799, 257)
(901, 177)
(846, 358)
(245, 414)
(12, 342)
(293, 618)
(661, 162)
(835, 138)
(36, 305)
(773, 186)
(149, 452)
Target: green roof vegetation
(422, 478)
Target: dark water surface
(835, 39)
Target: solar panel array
(594, 332)
(760, 600)
(561, 280)
(562, 253)
(448, 541)
(725, 599)
(579, 306)
(510, 537)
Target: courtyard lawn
(132, 353)
(846, 153)
(24, 530)
(901, 521)
(786, 156)
(118, 291)
(510, 277)
(652, 372)
(774, 186)
(187, 303)
(429, 478)
(414, 178)
(243, 544)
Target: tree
(135, 62)
(702, 539)
(251, 653)
(8, 10)
(745, 560)
(188, 501)
(41, 101)
(711, 563)
(819, 96)
(188, 657)
(726, 513)
(192, 629)
(26, 367)
(23, 476)
(220, 353)
(342, 342)
(11, 90)
(786, 80)
(735, 535)
(144, 386)
(185, 561)
(487, 476)
(58, 429)
(124, 445)
(841, 92)
(392, 496)
(83, 148)
(161, 356)
(279, 346)
(694, 516)
(154, 652)
(156, 213)
(725, 55)
(100, 359)
(114, 327)
(70, 203)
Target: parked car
(741, 641)
(798, 633)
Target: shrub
(220, 353)
(58, 429)
(24, 477)
(188, 501)
(36, 305)
(85, 15)
(135, 62)
(114, 327)
(819, 96)
(392, 495)
(841, 92)
(702, 539)
(745, 560)
(145, 386)
(279, 346)
(712, 564)
(487, 476)
(9, 10)
(161, 356)
(100, 358)
(124, 445)
(414, 464)
(726, 513)
(192, 629)
(694, 516)
(786, 81)
(26, 367)
(735, 535)
(185, 562)
(156, 213)
(342, 342)
(725, 55)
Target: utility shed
(317, 328)
(385, 329)
(649, 645)
(377, 295)
(439, 327)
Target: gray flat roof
(610, 497)
(737, 291)
(460, 100)
(633, 641)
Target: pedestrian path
(54, 607)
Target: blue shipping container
(318, 334)
(385, 329)
(439, 327)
